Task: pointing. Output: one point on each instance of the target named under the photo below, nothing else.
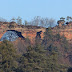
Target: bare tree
(51, 22)
(19, 20)
(36, 20)
(2, 19)
(25, 22)
(44, 22)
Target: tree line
(36, 21)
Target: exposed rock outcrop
(31, 31)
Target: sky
(28, 9)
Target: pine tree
(8, 56)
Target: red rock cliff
(31, 31)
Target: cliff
(26, 31)
(31, 31)
(65, 30)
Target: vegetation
(8, 55)
(11, 26)
(19, 21)
(46, 55)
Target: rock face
(31, 31)
(26, 32)
(65, 30)
(9, 35)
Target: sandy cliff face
(27, 32)
(64, 30)
(31, 31)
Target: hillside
(31, 31)
(54, 41)
(26, 31)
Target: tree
(36, 59)
(51, 22)
(19, 21)
(8, 56)
(44, 22)
(26, 22)
(62, 18)
(2, 19)
(69, 70)
(13, 19)
(69, 19)
(61, 21)
(33, 61)
(53, 44)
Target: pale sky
(28, 9)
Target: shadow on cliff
(38, 34)
(69, 70)
(38, 38)
(18, 33)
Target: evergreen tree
(13, 19)
(7, 60)
(33, 61)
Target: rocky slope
(31, 31)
